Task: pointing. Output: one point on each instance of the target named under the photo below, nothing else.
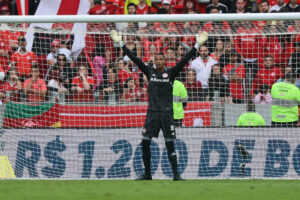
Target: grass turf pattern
(149, 190)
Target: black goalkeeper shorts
(159, 120)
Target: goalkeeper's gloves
(201, 39)
(117, 37)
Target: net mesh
(83, 102)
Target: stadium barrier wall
(116, 153)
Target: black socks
(146, 156)
(172, 156)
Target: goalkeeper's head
(159, 61)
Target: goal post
(74, 105)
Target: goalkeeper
(160, 109)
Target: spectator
(268, 75)
(278, 6)
(99, 64)
(152, 50)
(130, 91)
(83, 85)
(51, 57)
(215, 3)
(217, 30)
(194, 87)
(289, 70)
(218, 50)
(56, 90)
(66, 72)
(111, 87)
(23, 60)
(149, 37)
(224, 58)
(119, 64)
(292, 6)
(263, 96)
(234, 72)
(35, 88)
(202, 65)
(8, 45)
(276, 45)
(133, 44)
(123, 26)
(103, 9)
(217, 86)
(264, 6)
(143, 8)
(127, 72)
(247, 44)
(294, 61)
(240, 7)
(170, 57)
(295, 31)
(190, 7)
(190, 28)
(172, 41)
(63, 49)
(166, 4)
(13, 86)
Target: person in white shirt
(202, 65)
(56, 89)
(278, 6)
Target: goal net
(73, 105)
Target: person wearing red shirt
(130, 92)
(247, 44)
(142, 8)
(295, 30)
(13, 86)
(276, 45)
(35, 88)
(126, 72)
(23, 60)
(193, 87)
(267, 75)
(170, 57)
(82, 86)
(8, 45)
(235, 73)
(218, 50)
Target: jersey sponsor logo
(159, 80)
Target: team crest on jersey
(28, 57)
(165, 75)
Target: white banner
(116, 153)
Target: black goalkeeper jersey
(160, 85)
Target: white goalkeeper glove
(116, 37)
(201, 39)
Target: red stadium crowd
(240, 60)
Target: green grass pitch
(144, 190)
